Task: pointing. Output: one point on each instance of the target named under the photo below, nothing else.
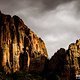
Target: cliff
(74, 50)
(65, 64)
(58, 66)
(19, 46)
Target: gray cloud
(50, 4)
(14, 5)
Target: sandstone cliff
(65, 64)
(19, 46)
(74, 51)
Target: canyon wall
(19, 46)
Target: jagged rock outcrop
(65, 64)
(19, 46)
(74, 51)
(58, 66)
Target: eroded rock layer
(18, 44)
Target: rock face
(58, 66)
(74, 50)
(65, 63)
(19, 46)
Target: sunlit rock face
(18, 44)
(74, 50)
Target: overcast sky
(57, 22)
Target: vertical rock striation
(18, 44)
(74, 51)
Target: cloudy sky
(57, 22)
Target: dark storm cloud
(10, 6)
(51, 4)
(20, 4)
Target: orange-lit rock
(16, 40)
(74, 50)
